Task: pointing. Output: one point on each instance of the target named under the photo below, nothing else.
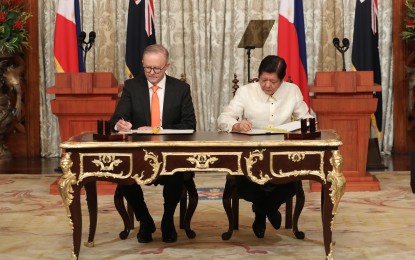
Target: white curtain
(202, 37)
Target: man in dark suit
(174, 111)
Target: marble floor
(368, 225)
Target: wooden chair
(231, 199)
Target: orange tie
(155, 108)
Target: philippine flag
(291, 44)
(66, 43)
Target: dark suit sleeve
(185, 117)
(188, 112)
(124, 106)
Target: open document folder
(158, 131)
(281, 129)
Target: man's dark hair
(273, 64)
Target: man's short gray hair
(157, 48)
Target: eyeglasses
(156, 70)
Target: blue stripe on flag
(299, 27)
(81, 64)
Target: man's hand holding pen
(123, 125)
(243, 126)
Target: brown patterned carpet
(369, 225)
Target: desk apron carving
(202, 162)
(155, 165)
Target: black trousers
(269, 196)
(172, 191)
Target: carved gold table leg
(71, 201)
(333, 191)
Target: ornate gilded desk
(262, 158)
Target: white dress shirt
(160, 93)
(262, 110)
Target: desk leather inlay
(107, 165)
(284, 164)
(229, 162)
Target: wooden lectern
(343, 101)
(81, 99)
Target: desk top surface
(329, 138)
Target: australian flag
(365, 52)
(140, 34)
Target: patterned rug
(369, 225)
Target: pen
(249, 124)
(123, 124)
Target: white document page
(281, 129)
(158, 132)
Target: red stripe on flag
(148, 22)
(288, 49)
(149, 13)
(66, 46)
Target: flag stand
(254, 36)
